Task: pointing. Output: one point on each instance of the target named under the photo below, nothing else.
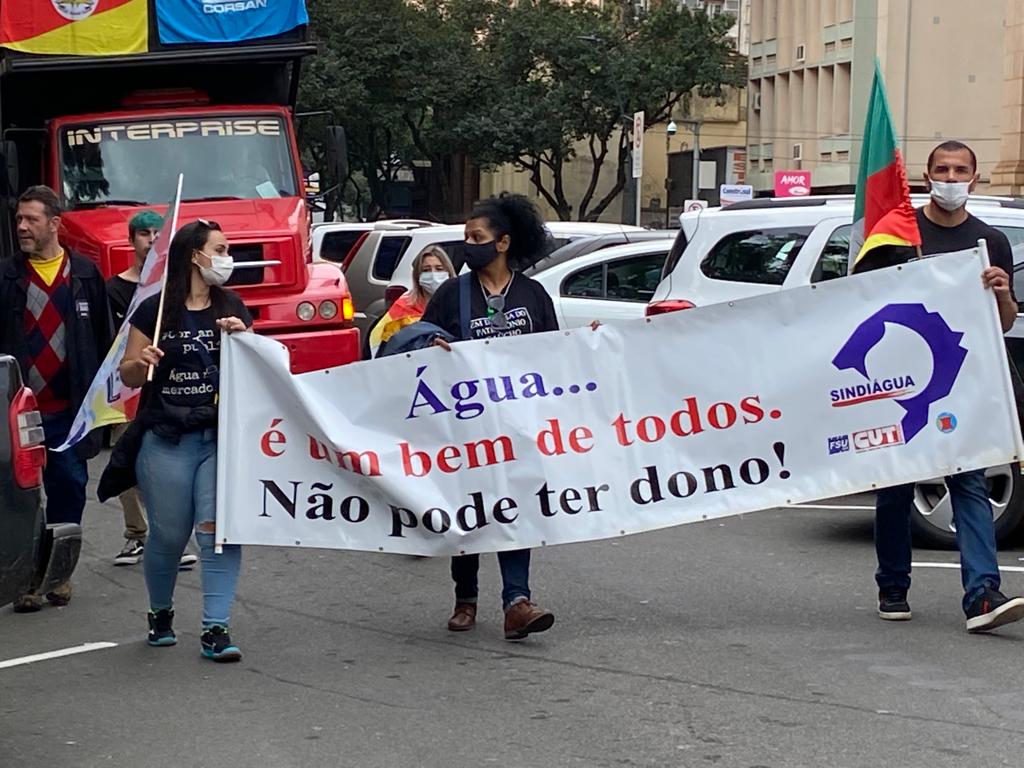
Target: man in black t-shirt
(946, 226)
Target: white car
(334, 239)
(610, 284)
(760, 246)
(379, 267)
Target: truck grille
(249, 275)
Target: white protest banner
(889, 377)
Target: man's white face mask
(950, 195)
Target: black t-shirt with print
(936, 239)
(187, 380)
(528, 309)
(120, 292)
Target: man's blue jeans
(515, 576)
(66, 473)
(975, 534)
(179, 485)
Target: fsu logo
(75, 10)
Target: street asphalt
(746, 642)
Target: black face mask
(479, 255)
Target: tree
(528, 82)
(357, 78)
(576, 73)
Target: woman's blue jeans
(179, 486)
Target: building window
(770, 59)
(825, 157)
(830, 47)
(843, 156)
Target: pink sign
(792, 183)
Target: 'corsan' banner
(890, 377)
(226, 21)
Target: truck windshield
(124, 163)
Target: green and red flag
(882, 210)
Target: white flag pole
(163, 278)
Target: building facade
(811, 65)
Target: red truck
(111, 134)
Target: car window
(634, 279)
(336, 245)
(755, 256)
(586, 283)
(834, 257)
(1014, 234)
(674, 254)
(456, 250)
(389, 253)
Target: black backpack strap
(465, 302)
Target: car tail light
(352, 251)
(670, 305)
(392, 294)
(27, 449)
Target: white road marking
(857, 507)
(1009, 568)
(84, 648)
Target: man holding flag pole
(896, 234)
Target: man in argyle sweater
(55, 320)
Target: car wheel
(931, 519)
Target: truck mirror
(337, 153)
(10, 158)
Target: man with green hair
(143, 229)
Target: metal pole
(638, 180)
(696, 159)
(668, 174)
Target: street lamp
(670, 130)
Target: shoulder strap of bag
(465, 302)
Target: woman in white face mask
(430, 269)
(176, 465)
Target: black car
(33, 556)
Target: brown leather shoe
(61, 594)
(29, 603)
(463, 618)
(524, 618)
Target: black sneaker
(217, 644)
(160, 632)
(992, 609)
(893, 605)
(131, 553)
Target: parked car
(33, 555)
(379, 268)
(333, 240)
(606, 283)
(761, 246)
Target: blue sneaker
(217, 644)
(160, 632)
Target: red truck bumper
(313, 350)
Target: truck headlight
(328, 310)
(306, 311)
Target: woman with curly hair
(503, 234)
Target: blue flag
(227, 21)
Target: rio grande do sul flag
(109, 400)
(883, 205)
(75, 27)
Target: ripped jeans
(179, 484)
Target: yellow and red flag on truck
(75, 27)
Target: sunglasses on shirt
(496, 312)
